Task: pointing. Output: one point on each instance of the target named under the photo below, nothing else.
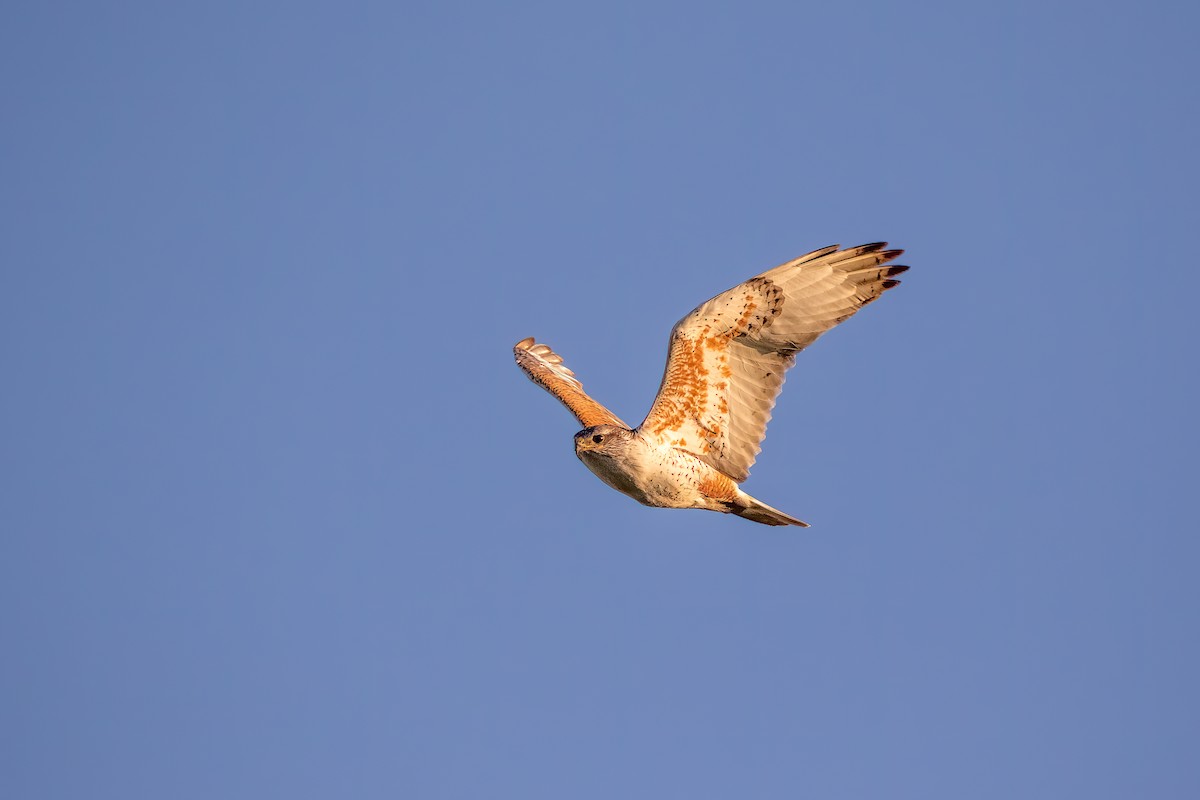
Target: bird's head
(608, 440)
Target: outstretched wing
(727, 359)
(545, 368)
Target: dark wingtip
(890, 284)
(895, 269)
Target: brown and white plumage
(725, 367)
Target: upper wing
(545, 368)
(727, 358)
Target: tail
(754, 510)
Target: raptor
(725, 367)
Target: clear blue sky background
(281, 518)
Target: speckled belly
(666, 478)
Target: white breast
(663, 477)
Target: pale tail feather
(758, 511)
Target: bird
(726, 362)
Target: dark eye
(597, 438)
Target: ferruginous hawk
(725, 367)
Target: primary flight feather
(725, 367)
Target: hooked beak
(584, 444)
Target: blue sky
(282, 519)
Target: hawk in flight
(725, 367)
